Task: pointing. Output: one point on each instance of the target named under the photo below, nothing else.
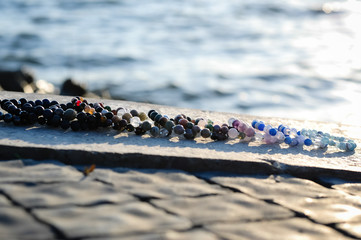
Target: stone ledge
(109, 148)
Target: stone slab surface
(296, 228)
(98, 207)
(234, 207)
(110, 148)
(155, 184)
(15, 223)
(110, 220)
(80, 193)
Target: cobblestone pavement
(50, 200)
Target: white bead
(135, 121)
(230, 121)
(163, 132)
(233, 133)
(202, 123)
(259, 136)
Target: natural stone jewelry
(78, 114)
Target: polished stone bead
(127, 117)
(135, 121)
(242, 135)
(209, 126)
(162, 121)
(39, 110)
(129, 128)
(224, 129)
(254, 122)
(134, 113)
(142, 116)
(288, 140)
(308, 142)
(48, 114)
(250, 132)
(236, 123)
(205, 133)
(178, 129)
(217, 128)
(150, 112)
(230, 121)
(75, 125)
(233, 133)
(280, 137)
(196, 130)
(183, 122)
(154, 131)
(146, 125)
(273, 132)
(157, 118)
(259, 137)
(163, 132)
(115, 119)
(41, 120)
(202, 123)
(169, 125)
(69, 114)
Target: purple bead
(250, 132)
(236, 123)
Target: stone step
(107, 147)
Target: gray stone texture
(15, 223)
(157, 184)
(288, 229)
(58, 194)
(108, 220)
(230, 207)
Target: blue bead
(308, 142)
(261, 126)
(272, 132)
(299, 133)
(294, 142)
(280, 127)
(288, 140)
(254, 123)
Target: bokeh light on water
(299, 59)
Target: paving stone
(295, 228)
(76, 193)
(15, 223)
(352, 228)
(229, 207)
(156, 183)
(108, 220)
(351, 188)
(322, 204)
(200, 234)
(39, 173)
(194, 234)
(4, 202)
(273, 187)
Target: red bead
(78, 103)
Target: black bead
(38, 103)
(8, 117)
(3, 103)
(109, 115)
(123, 123)
(46, 103)
(48, 114)
(65, 124)
(39, 110)
(17, 120)
(23, 114)
(157, 118)
(82, 105)
(1, 116)
(41, 120)
(14, 101)
(129, 128)
(99, 109)
(69, 105)
(81, 116)
(59, 111)
(150, 112)
(22, 101)
(32, 103)
(189, 125)
(54, 103)
(83, 126)
(108, 123)
(139, 131)
(55, 121)
(75, 125)
(134, 113)
(153, 114)
(27, 107)
(63, 106)
(11, 109)
(32, 118)
(188, 134)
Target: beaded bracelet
(78, 114)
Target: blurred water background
(288, 58)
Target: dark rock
(72, 88)
(21, 80)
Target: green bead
(142, 116)
(242, 135)
(146, 125)
(209, 126)
(108, 108)
(169, 126)
(154, 132)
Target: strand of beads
(322, 140)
